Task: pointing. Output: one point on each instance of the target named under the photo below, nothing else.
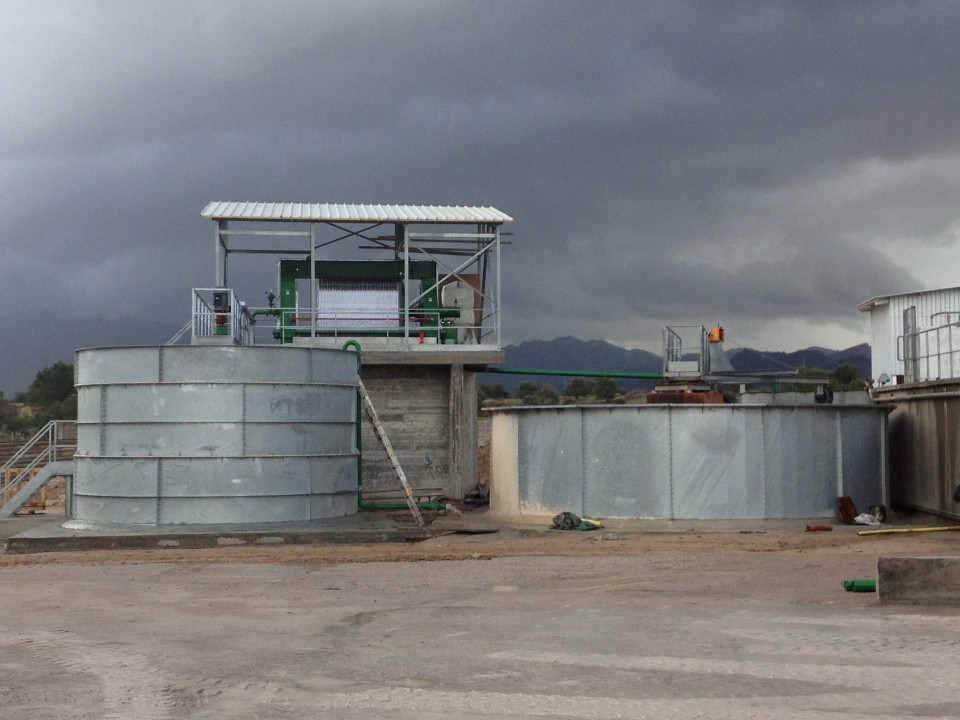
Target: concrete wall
(429, 413)
(687, 462)
(925, 451)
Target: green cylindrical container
(860, 585)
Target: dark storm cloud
(665, 161)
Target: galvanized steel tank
(208, 434)
(688, 462)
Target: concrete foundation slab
(919, 580)
(51, 533)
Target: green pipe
(391, 505)
(860, 585)
(577, 373)
(371, 504)
(359, 422)
(266, 311)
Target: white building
(933, 342)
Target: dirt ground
(527, 543)
(511, 624)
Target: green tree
(578, 387)
(605, 388)
(494, 391)
(52, 385)
(53, 392)
(847, 377)
(526, 389)
(8, 414)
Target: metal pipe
(359, 423)
(897, 531)
(577, 373)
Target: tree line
(581, 390)
(51, 396)
(577, 390)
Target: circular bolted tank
(212, 434)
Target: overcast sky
(763, 165)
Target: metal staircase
(47, 455)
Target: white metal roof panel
(873, 302)
(324, 212)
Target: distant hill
(569, 353)
(744, 359)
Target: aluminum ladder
(388, 448)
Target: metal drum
(207, 434)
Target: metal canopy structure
(334, 212)
(462, 242)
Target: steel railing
(210, 319)
(57, 440)
(421, 327)
(930, 353)
(242, 325)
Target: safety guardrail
(55, 441)
(217, 313)
(930, 353)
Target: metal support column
(406, 286)
(220, 254)
(313, 283)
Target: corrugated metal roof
(879, 300)
(323, 212)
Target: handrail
(933, 352)
(180, 333)
(27, 446)
(52, 434)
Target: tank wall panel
(334, 505)
(299, 438)
(334, 367)
(190, 403)
(293, 403)
(138, 511)
(117, 477)
(173, 440)
(626, 472)
(243, 477)
(88, 404)
(799, 463)
(252, 364)
(710, 463)
(689, 462)
(333, 475)
(88, 439)
(99, 366)
(210, 510)
(551, 461)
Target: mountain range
(569, 353)
(27, 345)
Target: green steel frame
(426, 313)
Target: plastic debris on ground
(571, 521)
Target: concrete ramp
(63, 468)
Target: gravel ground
(508, 625)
